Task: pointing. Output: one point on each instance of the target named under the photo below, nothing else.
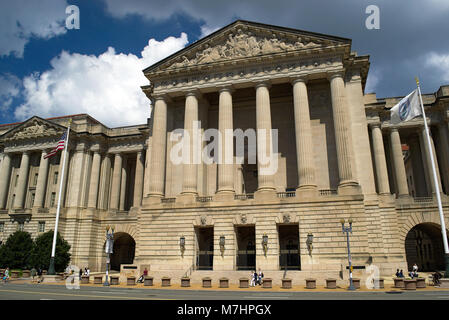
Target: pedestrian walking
(6, 275)
(260, 277)
(33, 272)
(253, 279)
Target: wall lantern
(265, 243)
(182, 245)
(309, 243)
(222, 245)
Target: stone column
(304, 145)
(138, 180)
(427, 159)
(5, 175)
(379, 159)
(41, 182)
(398, 163)
(116, 180)
(444, 151)
(94, 180)
(123, 183)
(66, 174)
(340, 113)
(190, 172)
(158, 145)
(264, 138)
(226, 144)
(22, 181)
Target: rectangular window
(33, 195)
(41, 226)
(55, 178)
(2, 226)
(35, 178)
(52, 199)
(21, 226)
(17, 179)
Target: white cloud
(9, 89)
(21, 20)
(372, 81)
(440, 62)
(106, 87)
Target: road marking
(82, 295)
(117, 292)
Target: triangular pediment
(32, 128)
(244, 39)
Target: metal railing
(423, 199)
(204, 199)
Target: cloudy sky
(49, 70)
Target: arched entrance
(424, 246)
(124, 249)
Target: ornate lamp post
(347, 230)
(108, 250)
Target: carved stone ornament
(203, 220)
(244, 44)
(243, 218)
(33, 130)
(286, 218)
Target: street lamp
(347, 230)
(108, 250)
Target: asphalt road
(12, 291)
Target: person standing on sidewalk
(6, 275)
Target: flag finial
(417, 81)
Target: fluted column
(158, 153)
(380, 162)
(123, 183)
(94, 180)
(138, 180)
(66, 174)
(427, 158)
(22, 182)
(304, 145)
(116, 180)
(41, 182)
(340, 113)
(398, 163)
(5, 175)
(264, 138)
(444, 146)
(226, 144)
(190, 172)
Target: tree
(15, 253)
(40, 256)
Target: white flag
(407, 109)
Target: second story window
(2, 227)
(35, 179)
(41, 226)
(55, 177)
(52, 199)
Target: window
(33, 195)
(36, 175)
(55, 178)
(52, 199)
(21, 226)
(2, 227)
(17, 179)
(41, 226)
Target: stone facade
(339, 158)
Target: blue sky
(48, 70)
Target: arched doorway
(424, 246)
(124, 249)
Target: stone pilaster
(66, 174)
(190, 172)
(5, 175)
(226, 144)
(116, 180)
(77, 177)
(304, 144)
(444, 151)
(398, 163)
(22, 181)
(94, 180)
(123, 183)
(342, 140)
(379, 159)
(138, 180)
(41, 182)
(264, 140)
(427, 159)
(158, 152)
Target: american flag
(60, 146)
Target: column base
(224, 196)
(153, 198)
(307, 192)
(349, 188)
(266, 194)
(187, 197)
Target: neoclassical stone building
(338, 158)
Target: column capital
(161, 96)
(195, 92)
(335, 74)
(226, 88)
(264, 83)
(375, 125)
(304, 79)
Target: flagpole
(437, 186)
(51, 269)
